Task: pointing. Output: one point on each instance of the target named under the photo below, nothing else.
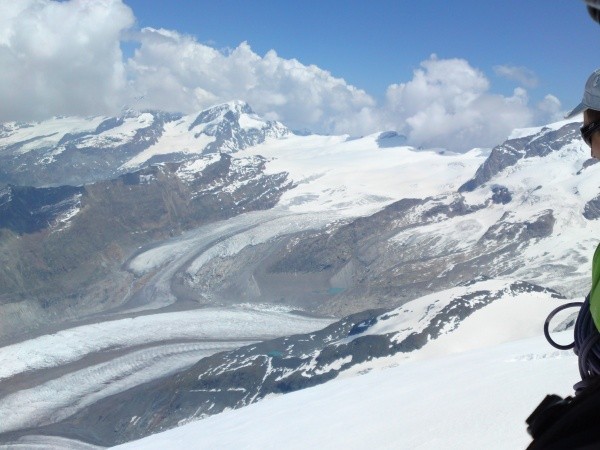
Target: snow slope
(50, 377)
(471, 388)
(477, 315)
(358, 176)
(473, 400)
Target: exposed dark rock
(541, 227)
(109, 124)
(27, 209)
(511, 151)
(505, 231)
(501, 157)
(522, 286)
(501, 195)
(389, 139)
(457, 207)
(591, 210)
(475, 280)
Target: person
(590, 107)
(572, 422)
(590, 132)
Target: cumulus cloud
(549, 110)
(65, 58)
(522, 75)
(176, 72)
(61, 57)
(448, 104)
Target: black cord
(585, 344)
(552, 342)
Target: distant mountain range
(75, 151)
(149, 213)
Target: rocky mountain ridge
(75, 151)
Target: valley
(260, 265)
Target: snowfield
(473, 400)
(71, 369)
(471, 388)
(358, 177)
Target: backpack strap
(569, 423)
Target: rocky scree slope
(62, 249)
(527, 213)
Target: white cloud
(176, 72)
(522, 75)
(64, 58)
(61, 57)
(549, 110)
(448, 104)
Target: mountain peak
(523, 144)
(240, 106)
(236, 106)
(231, 111)
(77, 150)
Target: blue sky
(455, 74)
(374, 44)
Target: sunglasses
(588, 130)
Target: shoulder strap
(569, 423)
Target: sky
(456, 75)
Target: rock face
(508, 153)
(27, 209)
(592, 209)
(62, 248)
(501, 195)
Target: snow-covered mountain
(411, 223)
(72, 150)
(477, 399)
(405, 252)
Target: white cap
(591, 95)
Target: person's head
(590, 106)
(590, 131)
